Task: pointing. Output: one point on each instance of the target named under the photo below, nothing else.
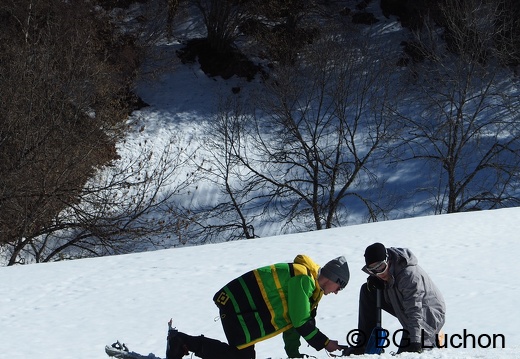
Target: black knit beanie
(375, 253)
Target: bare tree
(308, 154)
(507, 32)
(126, 207)
(64, 103)
(483, 29)
(230, 214)
(465, 123)
(222, 19)
(283, 27)
(61, 111)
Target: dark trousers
(207, 348)
(367, 320)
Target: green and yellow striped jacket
(270, 300)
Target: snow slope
(72, 309)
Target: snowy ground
(72, 309)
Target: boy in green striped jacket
(262, 303)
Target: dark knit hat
(375, 253)
(337, 271)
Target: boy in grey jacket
(409, 294)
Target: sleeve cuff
(318, 341)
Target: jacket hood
(402, 257)
(306, 261)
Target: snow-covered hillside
(72, 309)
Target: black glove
(410, 348)
(374, 283)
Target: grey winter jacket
(417, 302)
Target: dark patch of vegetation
(365, 18)
(226, 64)
(66, 80)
